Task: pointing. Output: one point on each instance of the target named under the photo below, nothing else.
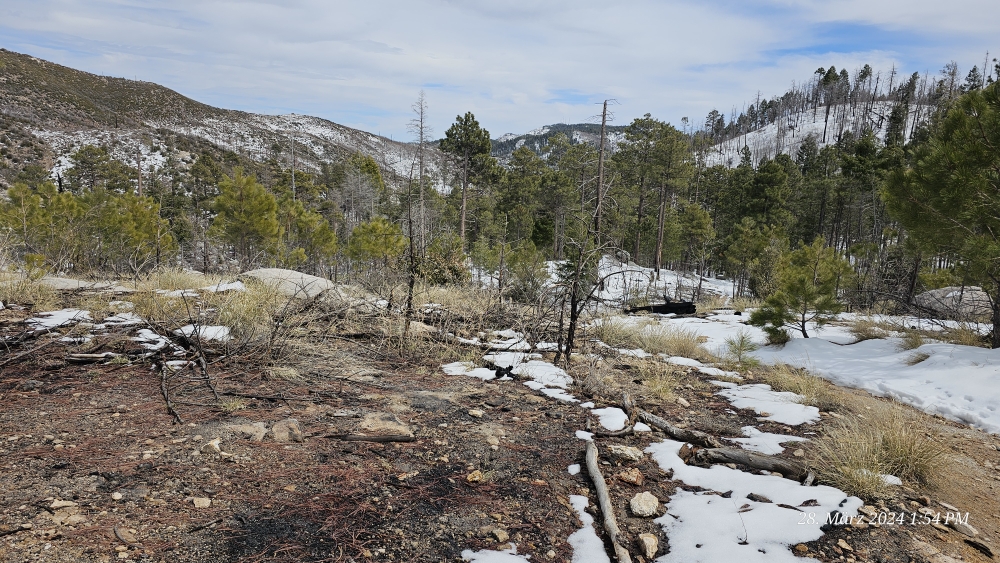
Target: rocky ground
(286, 464)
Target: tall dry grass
(885, 440)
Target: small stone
(474, 477)
(27, 526)
(116, 496)
(624, 453)
(649, 545)
(212, 446)
(550, 554)
(799, 452)
(683, 402)
(289, 488)
(644, 504)
(122, 555)
(126, 536)
(121, 548)
(632, 476)
(843, 545)
(201, 502)
(255, 431)
(963, 528)
(948, 506)
(287, 430)
(493, 440)
(501, 535)
(802, 548)
(62, 504)
(475, 413)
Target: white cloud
(516, 65)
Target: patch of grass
(911, 340)
(672, 341)
(248, 314)
(741, 304)
(285, 373)
(867, 328)
(712, 301)
(815, 391)
(28, 292)
(171, 312)
(857, 451)
(233, 405)
(964, 335)
(618, 332)
(659, 378)
(171, 279)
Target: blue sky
(517, 64)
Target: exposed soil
(100, 436)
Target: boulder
(290, 282)
(69, 284)
(956, 302)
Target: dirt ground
(93, 467)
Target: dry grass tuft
(171, 279)
(673, 341)
(28, 292)
(741, 304)
(916, 357)
(912, 340)
(658, 378)
(867, 328)
(815, 391)
(712, 301)
(963, 335)
(885, 441)
(248, 314)
(285, 373)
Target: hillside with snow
(55, 110)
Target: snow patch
(587, 546)
(778, 406)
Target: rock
(948, 506)
(964, 528)
(475, 413)
(624, 453)
(201, 502)
(645, 504)
(550, 554)
(255, 431)
(980, 546)
(126, 535)
(417, 327)
(501, 535)
(286, 430)
(843, 545)
(474, 477)
(799, 452)
(493, 440)
(289, 282)
(632, 476)
(649, 544)
(683, 402)
(956, 302)
(384, 423)
(69, 284)
(61, 504)
(758, 498)
(116, 496)
(802, 548)
(212, 446)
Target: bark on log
(367, 438)
(681, 434)
(789, 469)
(604, 501)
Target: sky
(516, 64)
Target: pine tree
(947, 197)
(808, 281)
(470, 145)
(246, 217)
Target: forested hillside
(728, 200)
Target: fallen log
(367, 438)
(707, 456)
(680, 434)
(604, 501)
